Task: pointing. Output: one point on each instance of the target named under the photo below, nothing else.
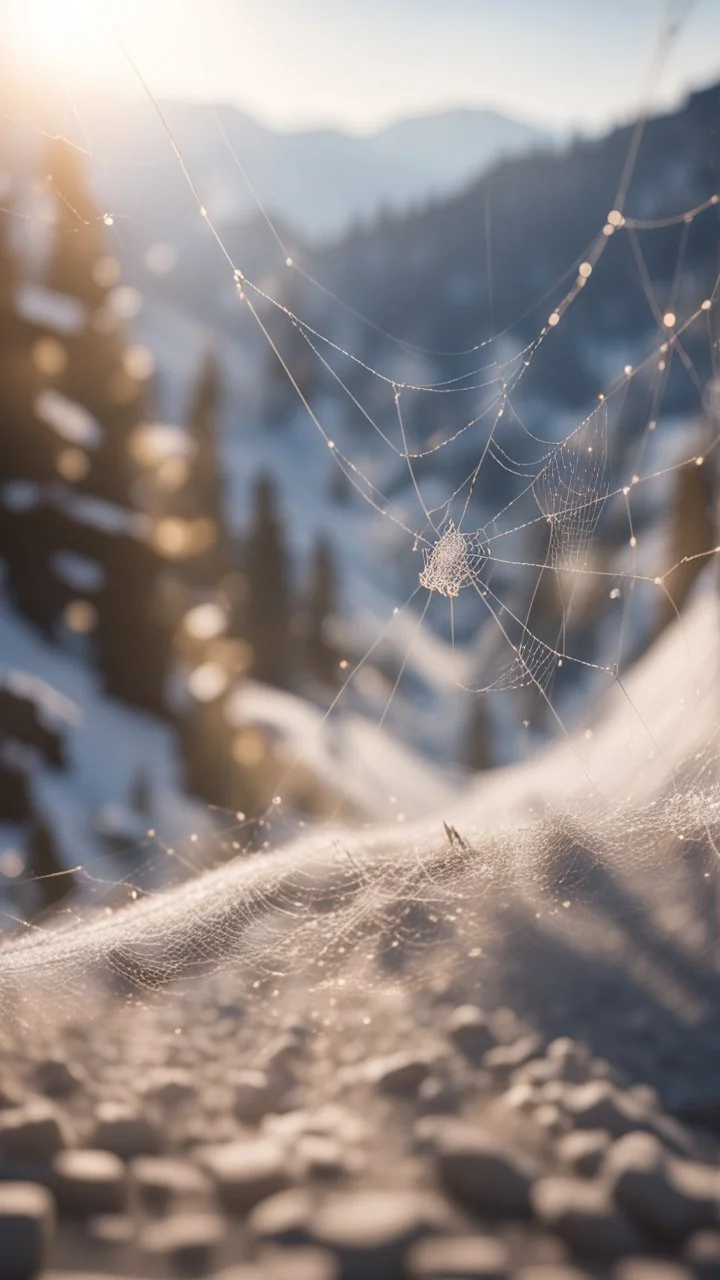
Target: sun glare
(72, 36)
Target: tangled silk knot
(453, 562)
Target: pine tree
(79, 241)
(320, 655)
(268, 605)
(203, 496)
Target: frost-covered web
(628, 787)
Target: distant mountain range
(319, 182)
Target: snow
(352, 757)
(79, 572)
(70, 420)
(108, 746)
(57, 311)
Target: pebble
(650, 1269)
(584, 1150)
(667, 1196)
(189, 1241)
(160, 1179)
(583, 1214)
(319, 1156)
(570, 1058)
(124, 1130)
(702, 1251)
(400, 1075)
(458, 1258)
(170, 1087)
(504, 1058)
(247, 1171)
(471, 1033)
(110, 1230)
(370, 1231)
(253, 1096)
(482, 1173)
(283, 1218)
(32, 1133)
(56, 1078)
(89, 1182)
(27, 1220)
(550, 1271)
(307, 1263)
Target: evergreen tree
(79, 241)
(203, 427)
(320, 655)
(268, 603)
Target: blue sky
(359, 63)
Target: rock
(307, 1263)
(160, 1179)
(650, 1269)
(57, 1078)
(666, 1196)
(110, 1230)
(583, 1214)
(189, 1241)
(27, 1221)
(570, 1058)
(702, 1251)
(125, 1131)
(32, 1134)
(471, 1033)
(584, 1150)
(400, 1075)
(246, 1172)
(319, 1156)
(481, 1173)
(459, 1258)
(549, 1271)
(170, 1087)
(437, 1096)
(11, 1095)
(253, 1096)
(504, 1058)
(283, 1218)
(370, 1231)
(89, 1182)
(600, 1105)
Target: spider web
(339, 912)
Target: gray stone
(584, 1150)
(571, 1058)
(401, 1074)
(371, 1231)
(702, 1251)
(160, 1179)
(283, 1218)
(253, 1096)
(283, 1263)
(481, 1173)
(583, 1214)
(319, 1156)
(459, 1258)
(125, 1131)
(169, 1087)
(550, 1271)
(33, 1133)
(27, 1222)
(667, 1196)
(56, 1078)
(110, 1230)
(89, 1182)
(471, 1033)
(246, 1172)
(650, 1269)
(189, 1241)
(505, 1058)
